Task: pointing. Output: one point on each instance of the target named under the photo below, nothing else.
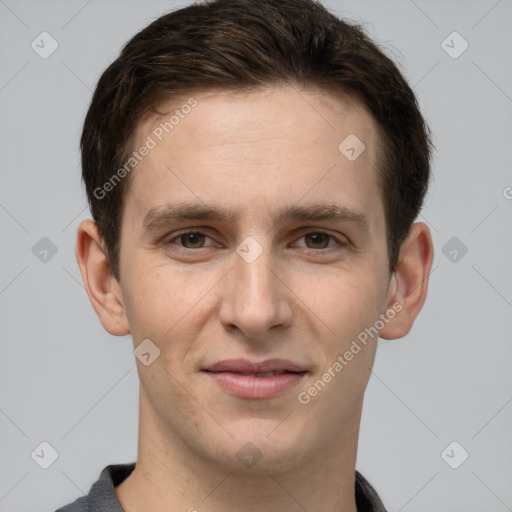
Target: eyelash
(341, 244)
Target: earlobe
(102, 288)
(409, 284)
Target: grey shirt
(102, 496)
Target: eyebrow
(159, 217)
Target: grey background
(64, 380)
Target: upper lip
(248, 367)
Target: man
(254, 170)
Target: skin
(204, 303)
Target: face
(249, 282)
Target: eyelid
(340, 240)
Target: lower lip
(250, 386)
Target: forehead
(225, 117)
(266, 145)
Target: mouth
(256, 380)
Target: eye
(319, 239)
(190, 240)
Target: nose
(255, 295)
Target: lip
(238, 377)
(248, 367)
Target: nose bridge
(253, 268)
(254, 299)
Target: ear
(409, 283)
(102, 288)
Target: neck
(170, 476)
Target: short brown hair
(242, 45)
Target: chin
(260, 447)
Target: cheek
(343, 302)
(165, 305)
(151, 303)
(348, 305)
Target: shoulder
(102, 496)
(367, 499)
(79, 505)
